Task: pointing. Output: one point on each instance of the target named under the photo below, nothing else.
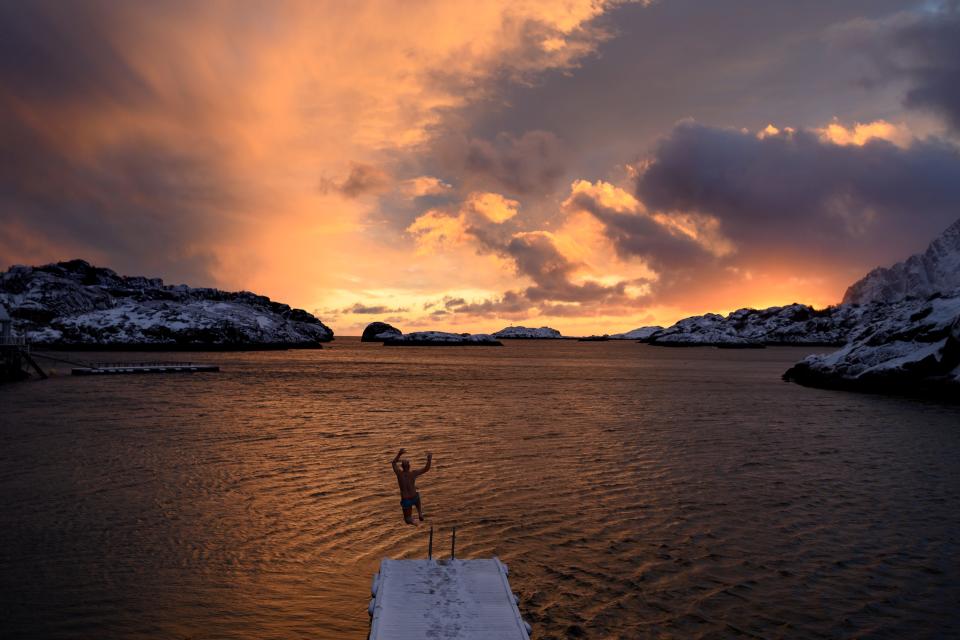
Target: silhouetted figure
(407, 480)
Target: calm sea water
(635, 492)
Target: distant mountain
(935, 270)
(526, 333)
(74, 304)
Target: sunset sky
(592, 166)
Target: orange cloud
(424, 186)
(859, 133)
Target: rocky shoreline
(914, 348)
(76, 306)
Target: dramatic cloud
(859, 133)
(537, 257)
(510, 304)
(924, 48)
(187, 140)
(665, 242)
(453, 164)
(424, 186)
(801, 197)
(68, 185)
(530, 164)
(363, 179)
(378, 309)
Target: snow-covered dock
(144, 367)
(446, 600)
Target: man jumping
(407, 480)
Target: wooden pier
(115, 368)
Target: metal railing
(13, 341)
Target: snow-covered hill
(76, 304)
(794, 324)
(526, 333)
(642, 334)
(913, 346)
(935, 270)
(908, 336)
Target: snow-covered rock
(908, 335)
(74, 304)
(935, 270)
(794, 324)
(441, 338)
(379, 331)
(526, 333)
(913, 346)
(642, 334)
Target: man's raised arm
(427, 467)
(396, 460)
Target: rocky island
(379, 332)
(75, 305)
(526, 333)
(643, 334)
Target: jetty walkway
(445, 599)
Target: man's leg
(419, 509)
(408, 515)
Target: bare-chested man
(407, 480)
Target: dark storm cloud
(511, 302)
(362, 309)
(637, 234)
(797, 194)
(53, 51)
(536, 256)
(924, 48)
(742, 63)
(529, 164)
(140, 200)
(363, 179)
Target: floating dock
(113, 368)
(445, 600)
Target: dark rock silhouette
(379, 331)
